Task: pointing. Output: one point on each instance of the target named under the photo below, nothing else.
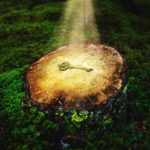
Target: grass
(27, 32)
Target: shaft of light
(78, 22)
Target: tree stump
(76, 76)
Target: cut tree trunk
(76, 76)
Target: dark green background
(27, 32)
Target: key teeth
(89, 70)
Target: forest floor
(27, 32)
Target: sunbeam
(79, 22)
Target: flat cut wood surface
(76, 76)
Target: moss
(27, 32)
(23, 123)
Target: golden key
(66, 65)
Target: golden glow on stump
(78, 74)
